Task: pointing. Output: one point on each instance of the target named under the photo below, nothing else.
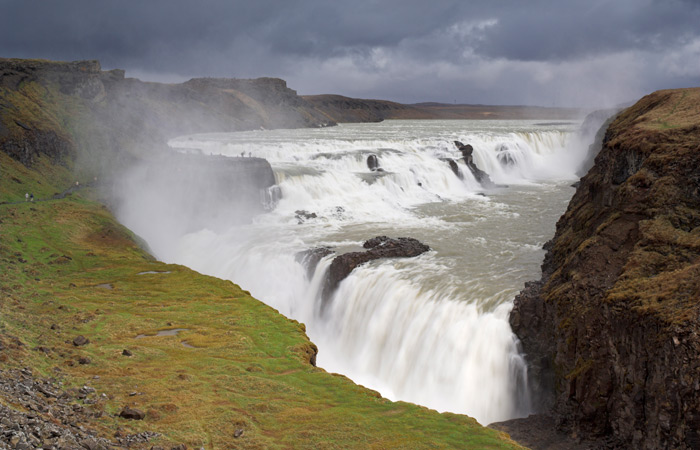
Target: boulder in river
(454, 166)
(372, 162)
(302, 215)
(505, 155)
(311, 257)
(378, 247)
(481, 176)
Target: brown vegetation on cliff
(611, 329)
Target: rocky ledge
(611, 329)
(377, 247)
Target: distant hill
(345, 109)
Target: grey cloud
(545, 31)
(405, 50)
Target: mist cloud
(590, 53)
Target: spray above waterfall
(430, 329)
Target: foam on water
(433, 329)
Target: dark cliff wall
(351, 110)
(611, 329)
(52, 108)
(99, 123)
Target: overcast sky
(538, 52)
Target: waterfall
(432, 329)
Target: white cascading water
(434, 329)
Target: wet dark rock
(480, 176)
(311, 257)
(378, 247)
(179, 447)
(126, 352)
(132, 413)
(454, 166)
(84, 360)
(80, 341)
(505, 155)
(373, 162)
(302, 215)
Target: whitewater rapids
(432, 330)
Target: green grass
(249, 368)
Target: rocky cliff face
(99, 123)
(611, 329)
(51, 107)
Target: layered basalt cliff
(61, 108)
(611, 329)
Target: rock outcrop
(454, 167)
(311, 257)
(611, 329)
(480, 176)
(373, 163)
(377, 247)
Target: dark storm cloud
(544, 52)
(546, 31)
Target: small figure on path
(26, 197)
(31, 197)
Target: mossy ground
(237, 364)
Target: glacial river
(431, 330)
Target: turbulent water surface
(433, 329)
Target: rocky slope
(611, 329)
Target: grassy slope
(249, 366)
(69, 263)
